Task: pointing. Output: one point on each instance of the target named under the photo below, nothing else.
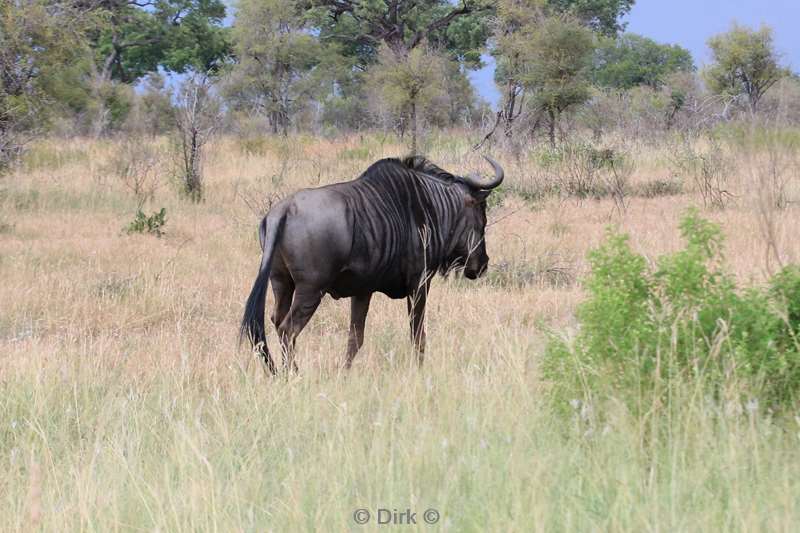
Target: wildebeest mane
(417, 163)
(394, 199)
(421, 164)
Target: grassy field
(125, 403)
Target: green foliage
(558, 52)
(360, 28)
(178, 35)
(408, 83)
(602, 16)
(353, 35)
(547, 56)
(743, 135)
(41, 44)
(643, 327)
(657, 188)
(632, 60)
(276, 56)
(360, 153)
(403, 79)
(151, 225)
(745, 63)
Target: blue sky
(690, 23)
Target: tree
(276, 55)
(514, 18)
(516, 21)
(38, 40)
(362, 27)
(359, 29)
(141, 35)
(154, 112)
(138, 37)
(197, 117)
(602, 16)
(745, 63)
(407, 82)
(557, 73)
(548, 57)
(632, 60)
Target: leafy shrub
(152, 224)
(707, 168)
(581, 170)
(684, 319)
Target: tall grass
(126, 405)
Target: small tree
(197, 116)
(408, 82)
(745, 63)
(556, 69)
(276, 55)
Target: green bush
(683, 319)
(152, 224)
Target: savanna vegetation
(630, 361)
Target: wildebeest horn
(477, 183)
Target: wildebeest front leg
(304, 304)
(416, 316)
(359, 306)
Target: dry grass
(126, 404)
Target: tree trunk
(754, 98)
(551, 113)
(414, 125)
(273, 121)
(508, 112)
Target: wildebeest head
(468, 243)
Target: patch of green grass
(359, 153)
(63, 199)
(46, 156)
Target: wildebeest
(387, 231)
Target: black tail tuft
(252, 327)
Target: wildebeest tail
(253, 321)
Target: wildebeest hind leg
(359, 306)
(282, 289)
(304, 304)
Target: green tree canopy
(632, 60)
(361, 27)
(602, 16)
(556, 69)
(141, 35)
(275, 57)
(546, 56)
(516, 28)
(40, 44)
(745, 63)
(408, 82)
